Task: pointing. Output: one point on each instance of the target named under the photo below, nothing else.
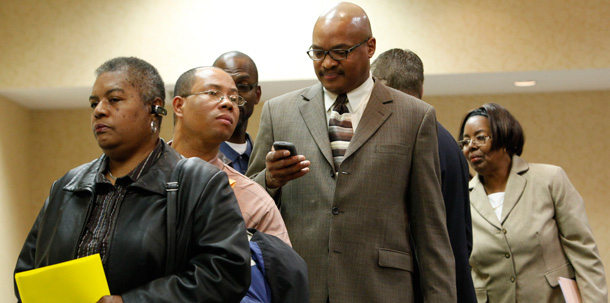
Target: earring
(153, 127)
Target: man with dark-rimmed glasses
(366, 179)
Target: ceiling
(435, 85)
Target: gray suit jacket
(353, 228)
(543, 234)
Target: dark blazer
(353, 228)
(454, 182)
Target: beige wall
(59, 43)
(15, 210)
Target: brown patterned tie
(340, 129)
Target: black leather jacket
(212, 261)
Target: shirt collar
(231, 154)
(356, 97)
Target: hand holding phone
(281, 169)
(279, 145)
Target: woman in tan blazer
(529, 224)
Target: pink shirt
(257, 207)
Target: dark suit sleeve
(214, 263)
(428, 220)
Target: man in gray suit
(352, 205)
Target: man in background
(404, 71)
(237, 149)
(206, 103)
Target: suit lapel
(374, 115)
(515, 186)
(480, 202)
(313, 112)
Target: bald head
(348, 16)
(222, 62)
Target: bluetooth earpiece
(158, 110)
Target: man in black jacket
(117, 205)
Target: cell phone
(278, 145)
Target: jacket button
(512, 279)
(504, 230)
(507, 255)
(332, 173)
(335, 211)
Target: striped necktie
(340, 129)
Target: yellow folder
(79, 280)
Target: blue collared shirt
(235, 160)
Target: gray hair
(140, 74)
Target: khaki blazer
(544, 234)
(353, 228)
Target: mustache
(334, 70)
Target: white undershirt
(496, 200)
(240, 148)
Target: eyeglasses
(245, 88)
(479, 140)
(335, 54)
(218, 96)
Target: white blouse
(496, 200)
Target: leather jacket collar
(153, 181)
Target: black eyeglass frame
(347, 51)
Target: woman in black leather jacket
(117, 205)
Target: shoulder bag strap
(171, 188)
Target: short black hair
(506, 131)
(402, 69)
(185, 82)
